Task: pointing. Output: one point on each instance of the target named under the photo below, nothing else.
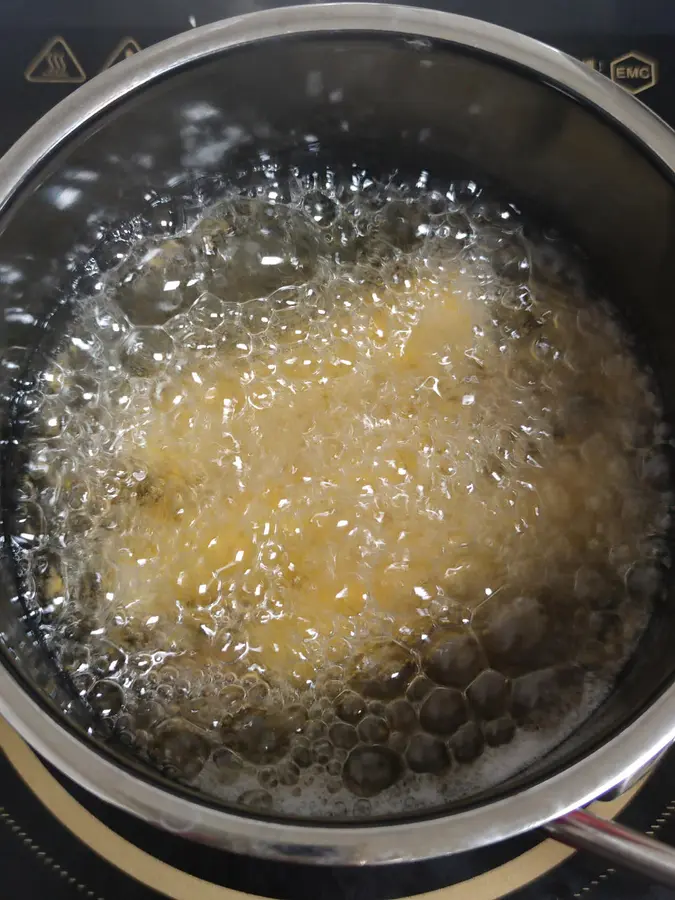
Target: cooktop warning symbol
(635, 72)
(126, 47)
(55, 64)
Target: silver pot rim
(614, 762)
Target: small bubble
(260, 800)
(427, 754)
(401, 716)
(371, 770)
(229, 766)
(343, 735)
(454, 658)
(467, 743)
(147, 350)
(320, 208)
(268, 778)
(289, 773)
(443, 711)
(322, 751)
(106, 698)
(29, 526)
(108, 659)
(488, 694)
(301, 756)
(373, 730)
(350, 707)
(182, 750)
(499, 731)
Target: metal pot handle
(616, 843)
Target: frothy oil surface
(296, 490)
(386, 469)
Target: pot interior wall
(384, 101)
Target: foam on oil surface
(350, 491)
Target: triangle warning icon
(55, 64)
(127, 47)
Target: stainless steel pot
(392, 83)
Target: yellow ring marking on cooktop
(179, 885)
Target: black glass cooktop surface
(58, 842)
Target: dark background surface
(602, 30)
(39, 857)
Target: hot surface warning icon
(126, 47)
(55, 64)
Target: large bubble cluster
(345, 498)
